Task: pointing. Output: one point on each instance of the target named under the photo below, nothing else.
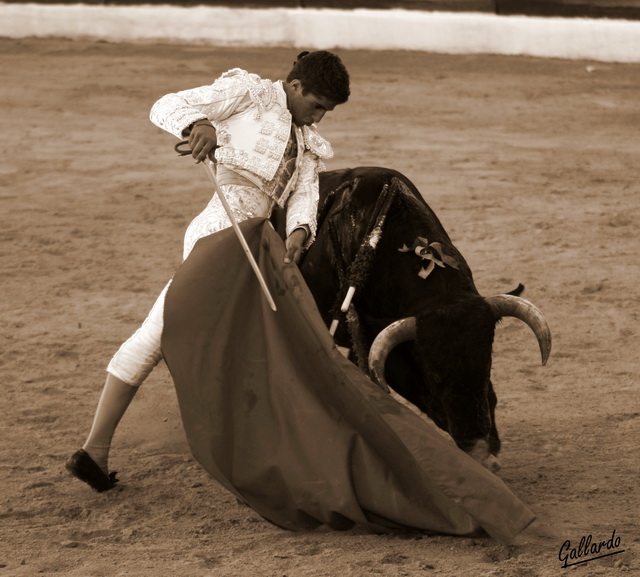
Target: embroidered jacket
(253, 126)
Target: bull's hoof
(481, 453)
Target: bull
(416, 322)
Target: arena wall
(613, 40)
(621, 9)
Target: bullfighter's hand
(202, 140)
(294, 243)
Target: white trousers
(137, 357)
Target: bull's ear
(519, 308)
(516, 292)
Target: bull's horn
(398, 332)
(512, 306)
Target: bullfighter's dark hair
(323, 74)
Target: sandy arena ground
(533, 166)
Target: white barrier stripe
(443, 32)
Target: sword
(208, 166)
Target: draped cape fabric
(279, 417)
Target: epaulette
(262, 91)
(315, 143)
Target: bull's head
(449, 359)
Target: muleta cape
(274, 412)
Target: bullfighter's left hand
(294, 243)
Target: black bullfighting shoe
(83, 467)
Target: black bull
(430, 337)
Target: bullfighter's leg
(115, 399)
(128, 369)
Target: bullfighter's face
(306, 107)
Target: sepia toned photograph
(317, 288)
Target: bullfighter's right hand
(202, 140)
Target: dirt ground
(533, 166)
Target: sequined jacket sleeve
(176, 111)
(302, 205)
